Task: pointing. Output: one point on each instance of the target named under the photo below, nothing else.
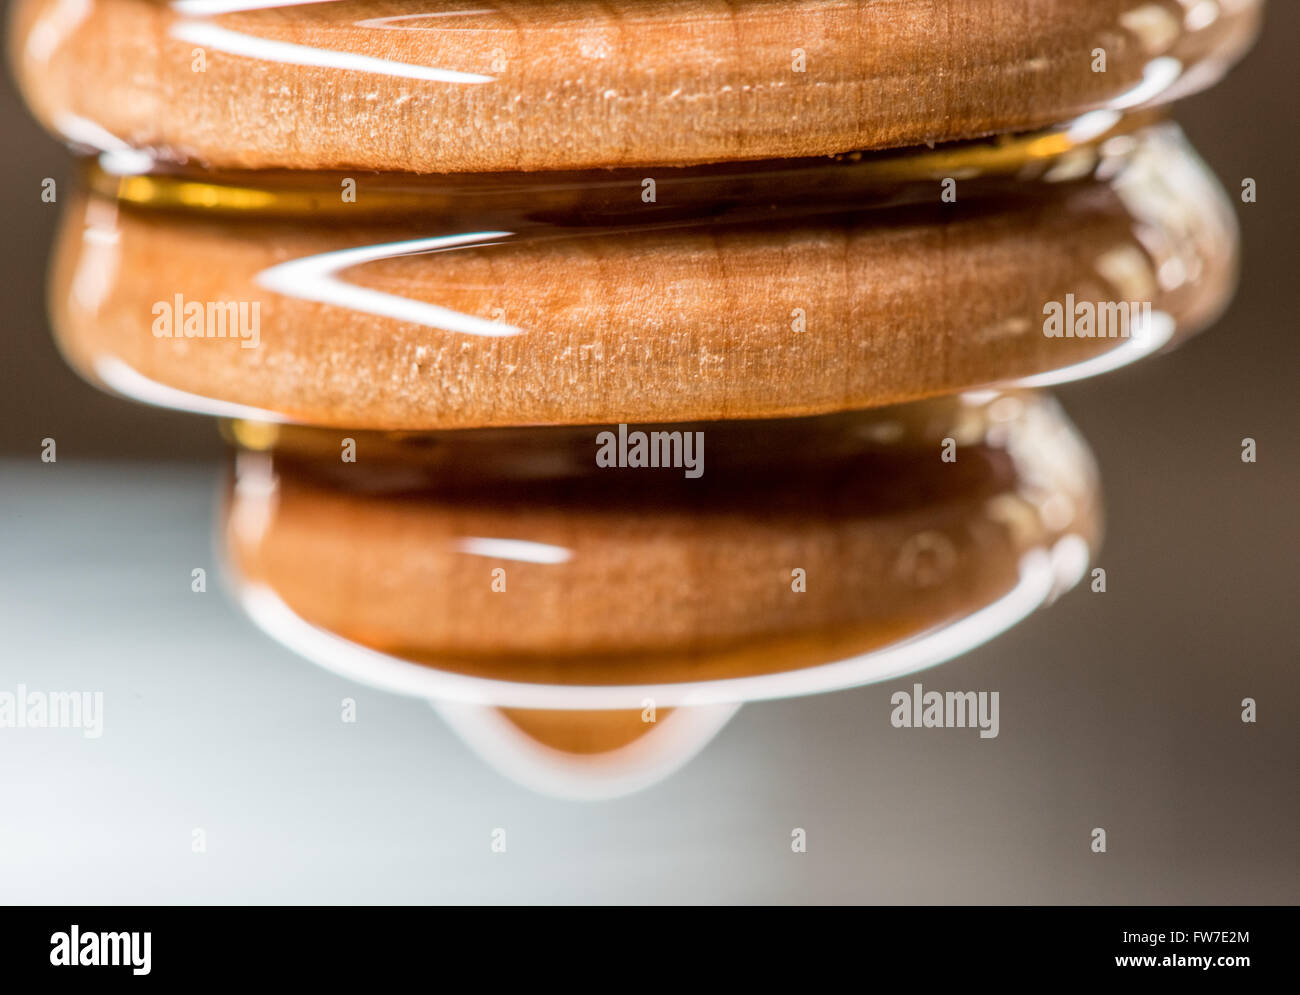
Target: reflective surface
(507, 570)
(737, 295)
(1119, 709)
(437, 86)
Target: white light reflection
(1070, 559)
(656, 754)
(211, 8)
(1088, 126)
(1158, 75)
(313, 279)
(207, 35)
(257, 489)
(52, 26)
(117, 376)
(116, 157)
(520, 550)
(366, 666)
(391, 23)
(1144, 340)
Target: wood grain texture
(573, 84)
(665, 578)
(653, 324)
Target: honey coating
(438, 86)
(758, 309)
(583, 733)
(428, 258)
(800, 544)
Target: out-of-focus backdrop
(1119, 710)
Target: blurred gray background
(1118, 710)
